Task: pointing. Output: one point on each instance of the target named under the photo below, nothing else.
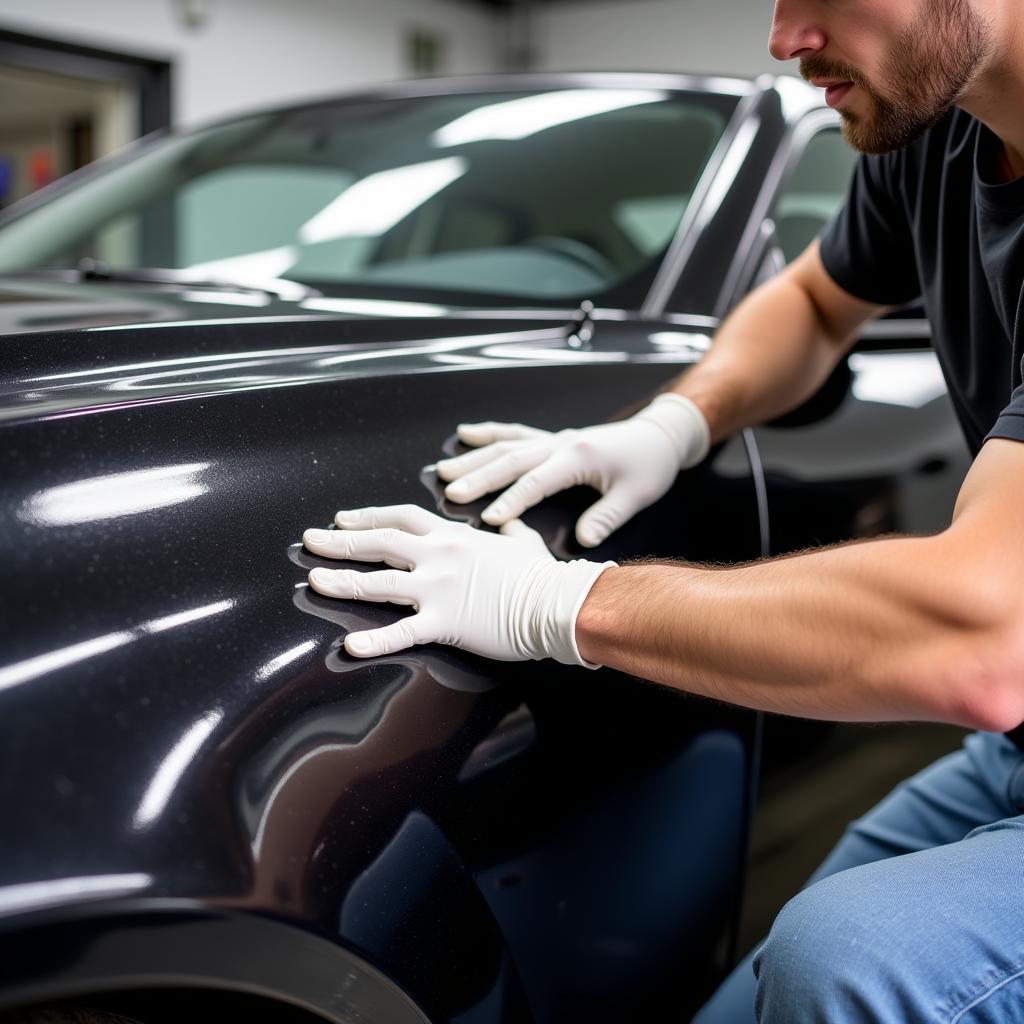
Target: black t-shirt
(925, 221)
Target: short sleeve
(868, 246)
(1010, 423)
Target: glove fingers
(548, 478)
(460, 465)
(388, 585)
(397, 548)
(604, 517)
(498, 473)
(518, 529)
(410, 518)
(486, 433)
(387, 640)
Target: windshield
(538, 196)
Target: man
(919, 912)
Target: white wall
(707, 36)
(257, 52)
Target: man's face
(913, 61)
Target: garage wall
(724, 36)
(256, 52)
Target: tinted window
(814, 191)
(561, 194)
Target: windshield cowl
(90, 269)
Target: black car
(217, 339)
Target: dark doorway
(65, 105)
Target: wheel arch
(95, 949)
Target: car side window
(815, 189)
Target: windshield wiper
(89, 269)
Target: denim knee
(820, 962)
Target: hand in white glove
(632, 463)
(504, 595)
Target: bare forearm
(770, 355)
(868, 631)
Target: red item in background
(41, 168)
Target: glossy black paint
(198, 735)
(178, 722)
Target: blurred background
(81, 78)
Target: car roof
(804, 95)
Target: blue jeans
(916, 915)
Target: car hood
(71, 348)
(29, 305)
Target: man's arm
(772, 353)
(925, 628)
(776, 348)
(928, 628)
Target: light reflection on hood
(172, 767)
(118, 494)
(33, 895)
(31, 668)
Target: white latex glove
(504, 596)
(632, 463)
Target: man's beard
(929, 67)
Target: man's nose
(796, 32)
